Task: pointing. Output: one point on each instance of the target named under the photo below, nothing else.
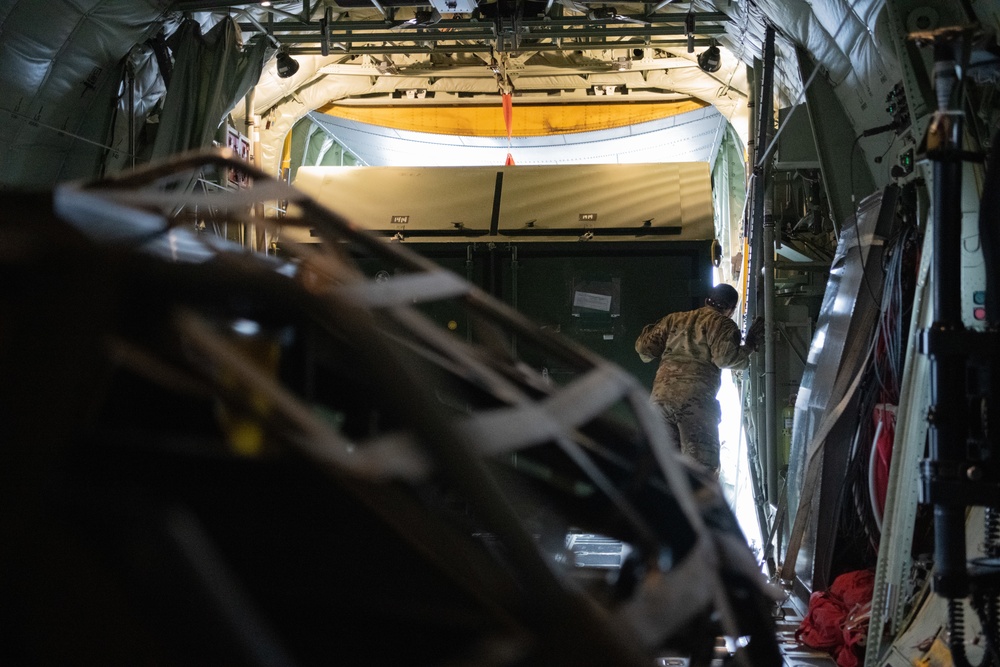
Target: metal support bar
(770, 388)
(823, 267)
(248, 231)
(767, 258)
(947, 418)
(761, 112)
(256, 24)
(764, 112)
(762, 257)
(846, 175)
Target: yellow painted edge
(286, 154)
(530, 120)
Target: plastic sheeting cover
(211, 73)
(688, 137)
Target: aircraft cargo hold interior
(500, 333)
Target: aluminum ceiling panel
(672, 201)
(427, 198)
(663, 195)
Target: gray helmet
(723, 297)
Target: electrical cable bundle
(871, 449)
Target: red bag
(837, 620)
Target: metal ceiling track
(467, 35)
(486, 32)
(486, 47)
(638, 22)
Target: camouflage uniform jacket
(692, 346)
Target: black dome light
(287, 65)
(710, 59)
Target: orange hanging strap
(508, 113)
(508, 121)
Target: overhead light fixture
(710, 59)
(287, 65)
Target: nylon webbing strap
(811, 480)
(98, 211)
(405, 290)
(666, 602)
(510, 429)
(587, 397)
(222, 198)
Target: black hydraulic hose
(989, 232)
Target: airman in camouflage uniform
(692, 347)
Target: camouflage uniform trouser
(694, 421)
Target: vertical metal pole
(249, 235)
(752, 234)
(947, 426)
(762, 258)
(755, 75)
(770, 390)
(765, 123)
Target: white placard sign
(592, 301)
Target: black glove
(755, 334)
